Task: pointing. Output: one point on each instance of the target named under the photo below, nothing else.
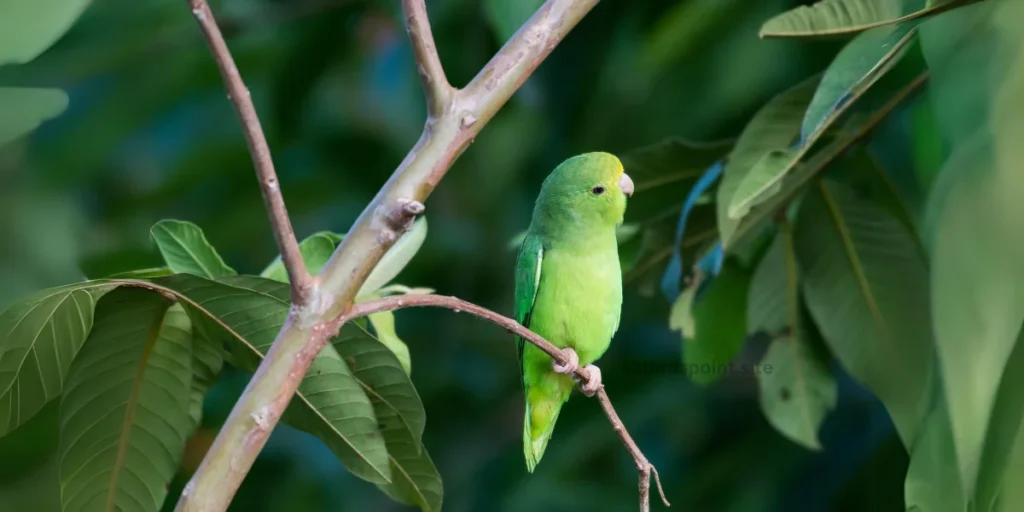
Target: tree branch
(239, 95)
(643, 466)
(435, 83)
(313, 322)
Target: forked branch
(320, 304)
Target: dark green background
(149, 135)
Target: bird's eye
(598, 190)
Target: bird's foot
(572, 362)
(593, 385)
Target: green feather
(568, 283)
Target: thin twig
(238, 93)
(435, 83)
(386, 218)
(393, 302)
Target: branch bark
(455, 118)
(238, 93)
(643, 466)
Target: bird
(568, 286)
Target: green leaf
(977, 58)
(397, 257)
(39, 337)
(1003, 431)
(124, 415)
(316, 250)
(24, 109)
(933, 482)
(29, 27)
(866, 287)
(146, 273)
(797, 392)
(833, 17)
(506, 16)
(186, 251)
(415, 480)
(859, 65)
(720, 326)
(773, 128)
(384, 327)
(207, 361)
(249, 312)
(769, 307)
(797, 388)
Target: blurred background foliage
(148, 135)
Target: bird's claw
(593, 385)
(572, 362)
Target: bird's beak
(626, 184)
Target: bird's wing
(528, 268)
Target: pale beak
(626, 184)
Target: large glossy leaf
(400, 414)
(857, 67)
(125, 413)
(186, 251)
(832, 17)
(29, 27)
(866, 286)
(39, 337)
(774, 127)
(976, 245)
(24, 109)
(720, 327)
(330, 403)
(797, 389)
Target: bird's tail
(544, 401)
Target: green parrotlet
(569, 285)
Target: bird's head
(587, 189)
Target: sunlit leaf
(39, 337)
(125, 413)
(24, 109)
(186, 251)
